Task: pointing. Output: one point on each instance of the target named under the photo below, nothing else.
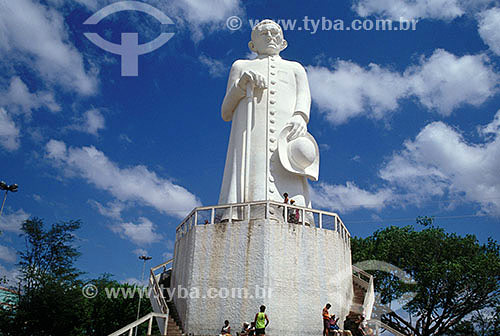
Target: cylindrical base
(227, 271)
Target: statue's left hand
(299, 127)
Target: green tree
(51, 301)
(106, 313)
(455, 276)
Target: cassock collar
(277, 57)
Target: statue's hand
(299, 127)
(255, 78)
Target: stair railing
(149, 317)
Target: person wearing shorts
(261, 321)
(326, 319)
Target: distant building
(8, 298)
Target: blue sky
(408, 122)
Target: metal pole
(3, 203)
(145, 258)
(248, 144)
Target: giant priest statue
(268, 102)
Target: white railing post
(249, 211)
(230, 214)
(303, 217)
(150, 326)
(335, 221)
(195, 218)
(212, 216)
(320, 218)
(267, 210)
(165, 327)
(286, 213)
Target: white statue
(281, 155)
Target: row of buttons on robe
(272, 121)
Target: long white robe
(287, 93)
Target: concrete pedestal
(227, 270)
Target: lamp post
(7, 188)
(144, 258)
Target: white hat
(299, 156)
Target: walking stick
(248, 144)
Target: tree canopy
(51, 302)
(455, 277)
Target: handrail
(387, 327)
(192, 218)
(358, 272)
(158, 292)
(153, 269)
(130, 327)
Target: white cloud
(443, 82)
(12, 222)
(415, 9)
(92, 122)
(350, 197)
(204, 12)
(139, 234)
(135, 183)
(111, 210)
(441, 162)
(36, 35)
(11, 275)
(489, 28)
(350, 90)
(9, 132)
(18, 96)
(201, 15)
(215, 67)
(140, 252)
(394, 9)
(7, 254)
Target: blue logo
(129, 49)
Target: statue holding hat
(282, 155)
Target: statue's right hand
(255, 78)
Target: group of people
(293, 215)
(329, 321)
(355, 323)
(257, 327)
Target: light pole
(7, 188)
(144, 258)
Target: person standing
(326, 319)
(261, 321)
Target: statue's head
(267, 38)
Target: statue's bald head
(262, 25)
(264, 33)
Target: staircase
(161, 304)
(364, 292)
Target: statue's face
(268, 40)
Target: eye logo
(129, 49)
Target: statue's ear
(251, 46)
(284, 44)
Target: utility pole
(144, 258)
(7, 188)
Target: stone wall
(292, 269)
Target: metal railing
(287, 213)
(149, 317)
(157, 292)
(365, 280)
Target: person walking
(261, 321)
(326, 319)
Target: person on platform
(245, 329)
(326, 319)
(334, 323)
(261, 321)
(226, 329)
